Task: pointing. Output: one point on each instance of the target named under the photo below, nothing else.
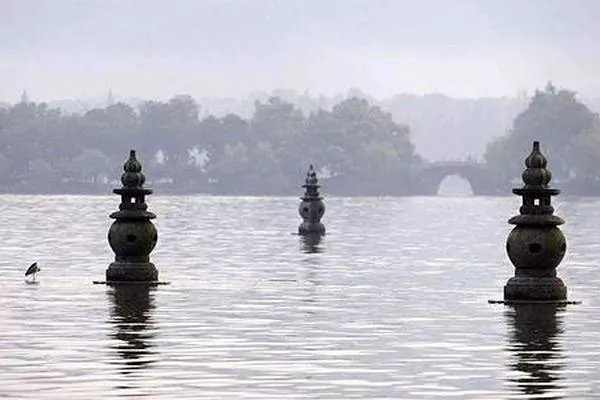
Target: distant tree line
(356, 148)
(569, 133)
(441, 127)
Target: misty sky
(155, 48)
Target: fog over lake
(154, 49)
(416, 117)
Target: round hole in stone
(131, 238)
(534, 247)
(305, 210)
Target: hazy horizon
(155, 49)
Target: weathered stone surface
(132, 240)
(535, 289)
(536, 246)
(132, 236)
(124, 271)
(311, 213)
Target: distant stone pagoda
(311, 208)
(132, 236)
(536, 245)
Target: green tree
(110, 130)
(276, 120)
(42, 149)
(556, 119)
(169, 127)
(500, 157)
(277, 129)
(94, 166)
(583, 156)
(363, 146)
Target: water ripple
(392, 303)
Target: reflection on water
(311, 243)
(133, 330)
(537, 354)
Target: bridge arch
(454, 185)
(430, 176)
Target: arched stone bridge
(427, 178)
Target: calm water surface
(391, 304)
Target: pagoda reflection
(133, 328)
(537, 356)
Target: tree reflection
(311, 242)
(134, 329)
(538, 356)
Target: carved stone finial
(132, 176)
(311, 184)
(537, 195)
(133, 193)
(536, 175)
(311, 176)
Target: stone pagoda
(133, 235)
(311, 208)
(536, 245)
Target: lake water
(391, 304)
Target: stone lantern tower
(311, 208)
(132, 236)
(536, 245)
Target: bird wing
(33, 268)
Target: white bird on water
(32, 270)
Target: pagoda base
(521, 288)
(311, 228)
(131, 272)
